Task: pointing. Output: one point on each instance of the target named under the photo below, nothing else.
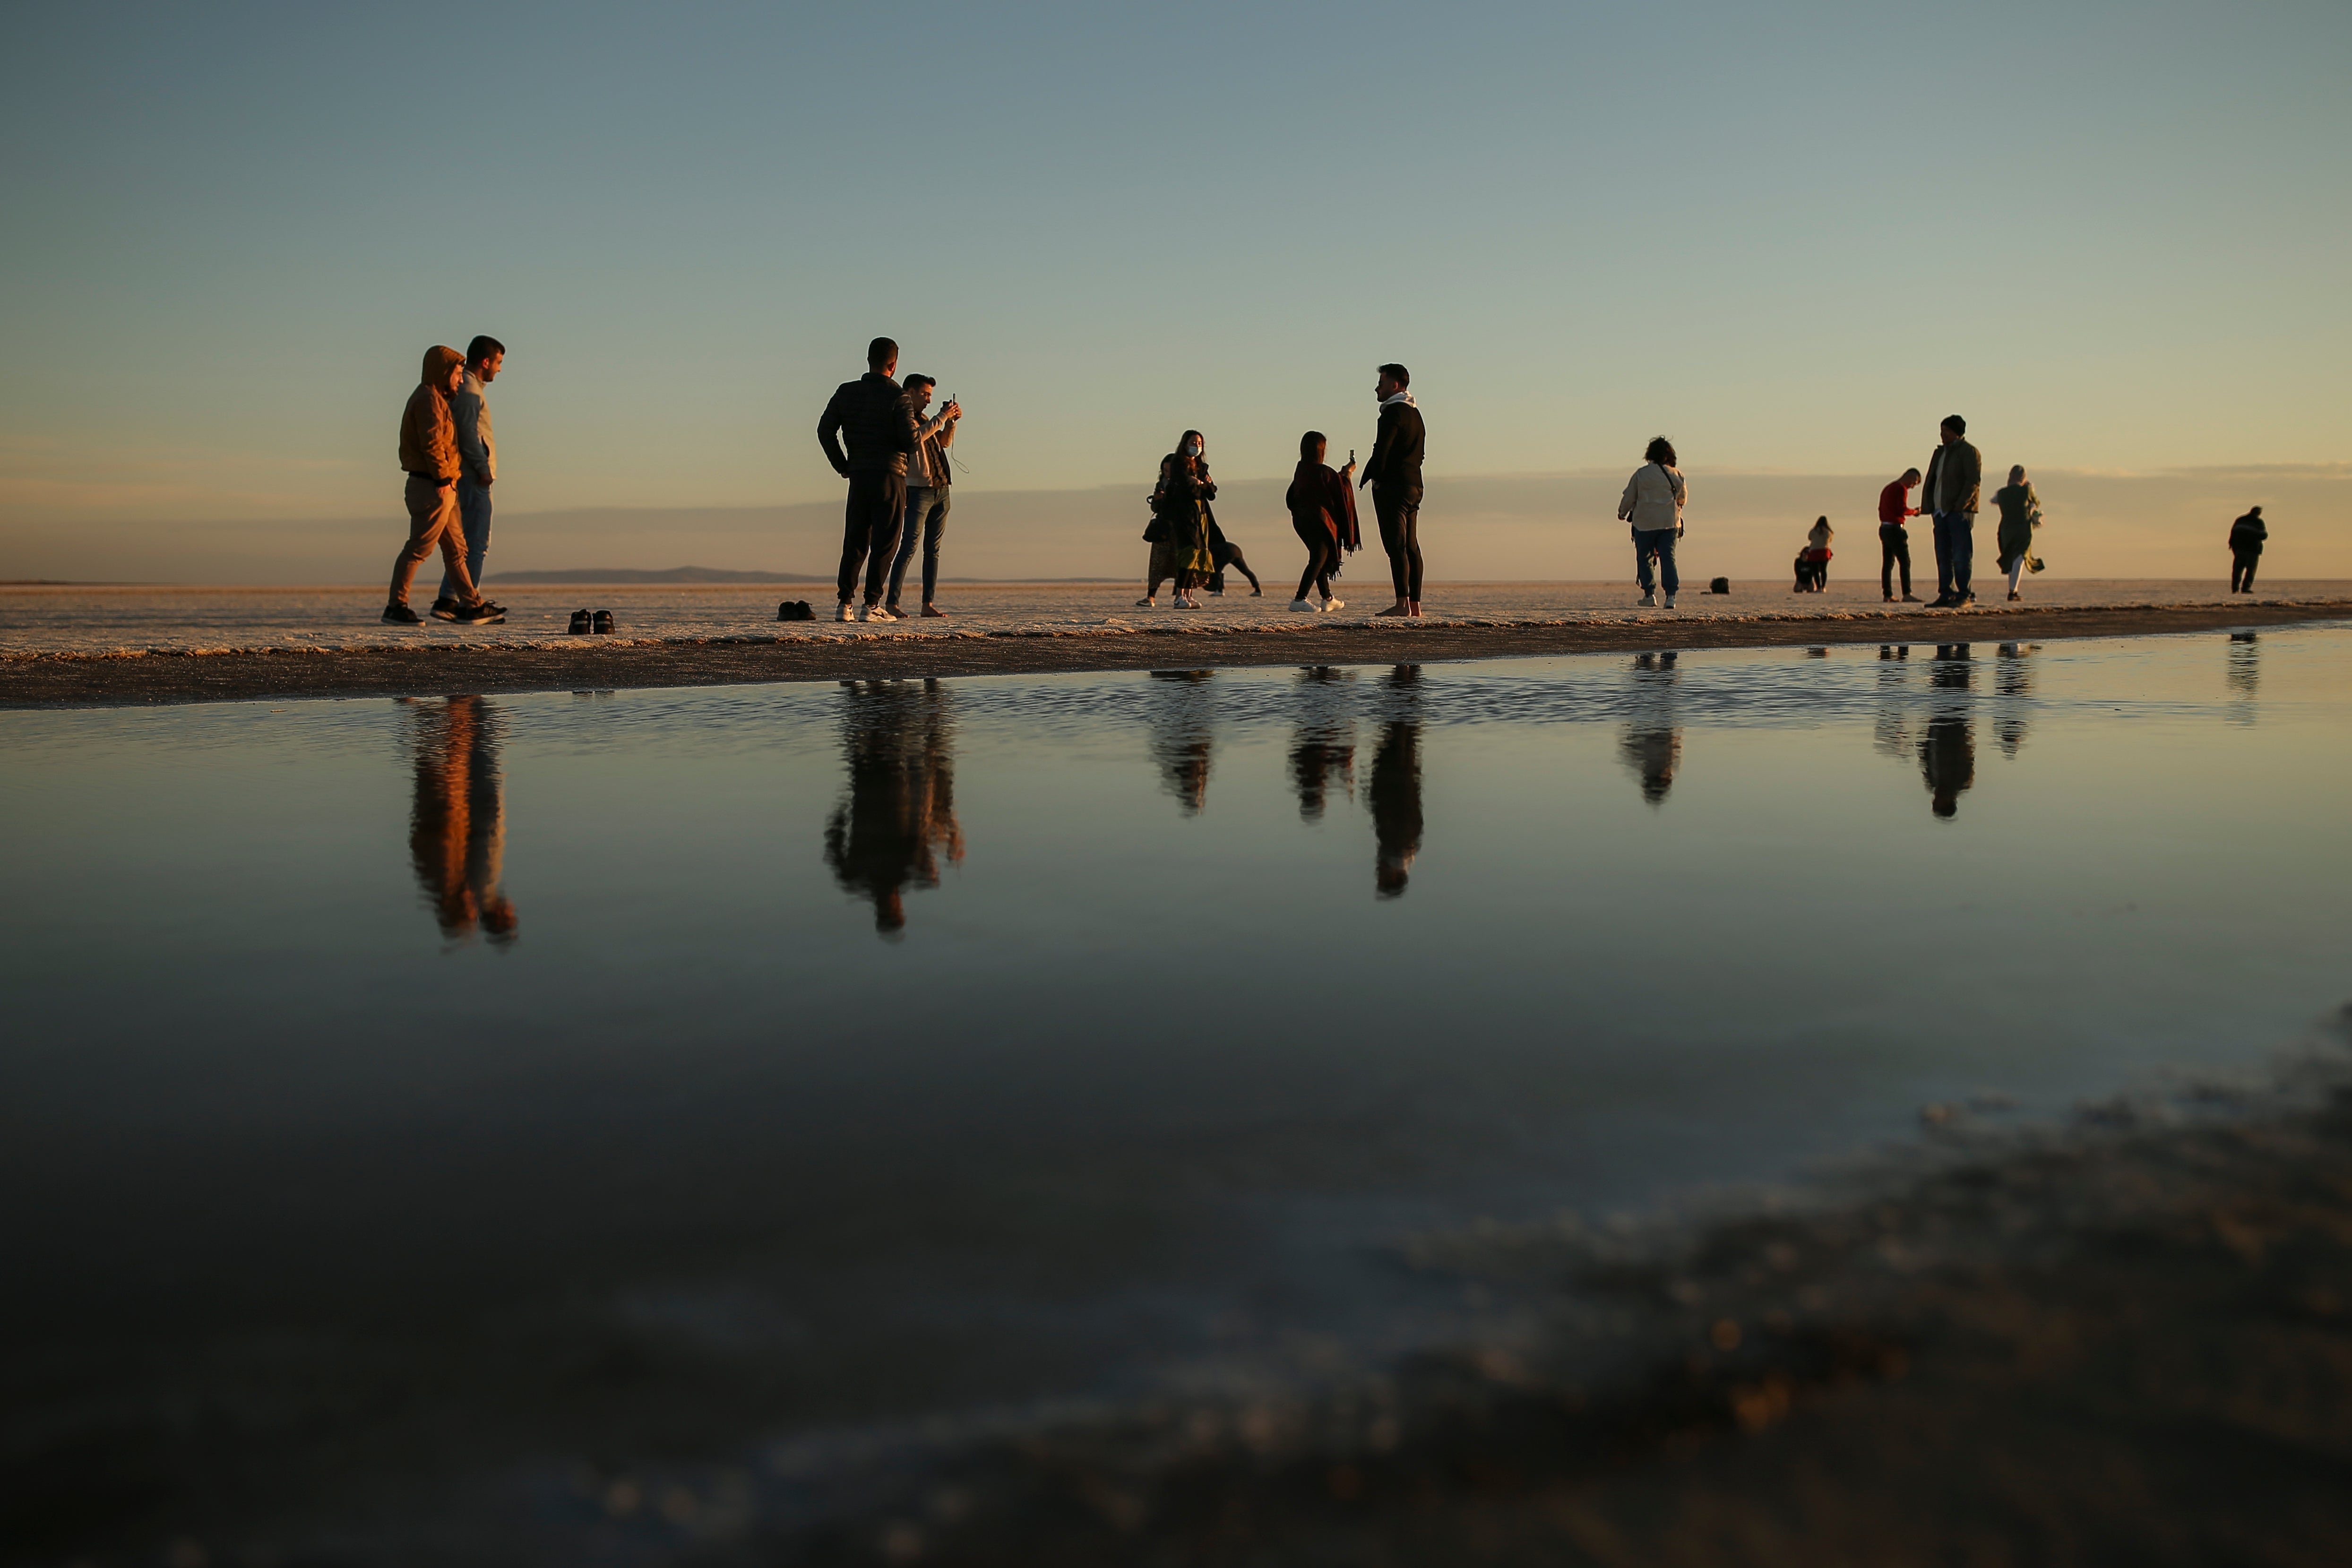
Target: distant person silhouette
(1395, 788)
(1182, 735)
(874, 415)
(1955, 476)
(1323, 743)
(1393, 470)
(457, 824)
(898, 743)
(1651, 740)
(1893, 538)
(2247, 537)
(1948, 753)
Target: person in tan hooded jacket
(428, 454)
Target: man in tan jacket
(428, 454)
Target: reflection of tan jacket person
(428, 436)
(1966, 476)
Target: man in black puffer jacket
(875, 415)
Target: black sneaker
(579, 623)
(501, 609)
(603, 621)
(444, 609)
(478, 614)
(401, 616)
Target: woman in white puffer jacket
(1653, 503)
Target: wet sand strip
(40, 680)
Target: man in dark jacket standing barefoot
(875, 416)
(1394, 474)
(428, 454)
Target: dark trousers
(2242, 570)
(1956, 552)
(1322, 554)
(1893, 551)
(877, 503)
(927, 520)
(1400, 514)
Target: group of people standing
(1950, 493)
(897, 464)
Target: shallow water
(460, 1082)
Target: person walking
(926, 496)
(478, 465)
(1393, 471)
(428, 454)
(2247, 536)
(878, 422)
(1954, 473)
(2020, 514)
(1176, 551)
(1893, 539)
(1653, 505)
(1323, 515)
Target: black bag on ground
(795, 610)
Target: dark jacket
(878, 421)
(1395, 462)
(1320, 499)
(1968, 478)
(2247, 534)
(428, 436)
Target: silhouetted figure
(1947, 755)
(2247, 537)
(2012, 690)
(1395, 788)
(2245, 672)
(1184, 729)
(1323, 746)
(1652, 742)
(898, 741)
(456, 829)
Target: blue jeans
(473, 517)
(1956, 552)
(927, 513)
(1656, 544)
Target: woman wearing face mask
(1182, 522)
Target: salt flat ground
(133, 618)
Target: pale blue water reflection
(849, 1050)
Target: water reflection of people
(456, 829)
(1948, 753)
(1652, 742)
(1184, 728)
(897, 737)
(2012, 690)
(1395, 788)
(1323, 746)
(2245, 672)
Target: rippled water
(447, 1084)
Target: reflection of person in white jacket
(1653, 504)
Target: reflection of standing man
(898, 743)
(1393, 471)
(1893, 539)
(477, 466)
(1395, 788)
(1947, 756)
(457, 827)
(927, 495)
(878, 422)
(1954, 476)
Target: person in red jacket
(1893, 539)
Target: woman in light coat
(1653, 504)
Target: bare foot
(933, 612)
(1395, 610)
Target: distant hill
(674, 574)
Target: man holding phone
(928, 479)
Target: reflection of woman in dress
(2020, 514)
(1182, 522)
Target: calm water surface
(668, 1070)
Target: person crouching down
(428, 454)
(1323, 514)
(1653, 504)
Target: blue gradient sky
(1793, 236)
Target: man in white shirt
(478, 465)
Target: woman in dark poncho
(1323, 513)
(1182, 522)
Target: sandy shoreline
(72, 679)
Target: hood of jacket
(439, 360)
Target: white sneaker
(1330, 605)
(891, 613)
(1670, 600)
(1306, 604)
(842, 614)
(867, 612)
(1649, 601)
